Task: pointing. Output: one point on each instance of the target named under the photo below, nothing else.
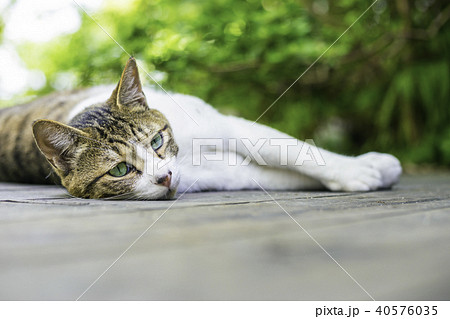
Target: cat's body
(21, 161)
(200, 149)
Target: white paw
(389, 167)
(367, 172)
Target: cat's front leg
(366, 172)
(267, 146)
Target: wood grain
(228, 245)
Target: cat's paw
(367, 172)
(389, 167)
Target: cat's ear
(128, 92)
(56, 141)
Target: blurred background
(383, 86)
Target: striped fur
(83, 149)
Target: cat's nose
(165, 180)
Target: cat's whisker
(119, 196)
(71, 196)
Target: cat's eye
(120, 170)
(157, 141)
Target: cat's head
(117, 149)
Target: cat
(142, 143)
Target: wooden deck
(229, 245)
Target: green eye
(157, 141)
(120, 170)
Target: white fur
(153, 168)
(303, 167)
(99, 94)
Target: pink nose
(165, 180)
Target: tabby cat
(121, 145)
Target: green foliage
(2, 26)
(383, 86)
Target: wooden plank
(229, 245)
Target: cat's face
(118, 149)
